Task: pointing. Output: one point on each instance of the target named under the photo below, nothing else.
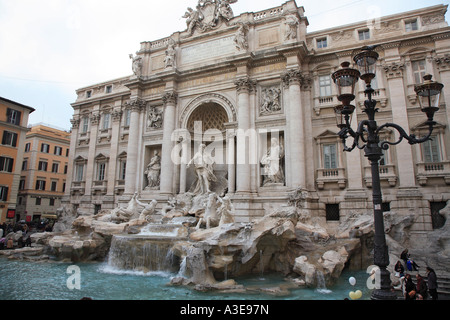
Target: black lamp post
(368, 133)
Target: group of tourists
(422, 289)
(9, 241)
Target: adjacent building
(13, 128)
(43, 178)
(258, 82)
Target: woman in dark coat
(409, 288)
(432, 283)
(421, 287)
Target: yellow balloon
(358, 294)
(352, 295)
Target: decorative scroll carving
(136, 104)
(394, 70)
(75, 123)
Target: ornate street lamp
(367, 138)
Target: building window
(79, 169)
(38, 201)
(97, 208)
(65, 168)
(88, 94)
(51, 202)
(127, 117)
(3, 193)
(431, 151)
(55, 167)
(13, 116)
(22, 184)
(325, 86)
(9, 138)
(322, 43)
(6, 164)
(85, 126)
(64, 187)
(364, 34)
(45, 148)
(106, 121)
(332, 212)
(329, 156)
(101, 168)
(42, 166)
(54, 186)
(58, 151)
(67, 152)
(27, 147)
(384, 161)
(25, 165)
(40, 184)
(108, 89)
(411, 25)
(419, 70)
(386, 206)
(123, 170)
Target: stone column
(70, 167)
(394, 74)
(112, 165)
(90, 167)
(243, 166)
(231, 162)
(167, 165)
(133, 144)
(443, 65)
(295, 129)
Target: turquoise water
(22, 280)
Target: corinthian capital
(292, 76)
(137, 104)
(394, 70)
(75, 123)
(170, 97)
(245, 84)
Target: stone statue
(120, 215)
(291, 27)
(204, 168)
(148, 210)
(193, 18)
(169, 61)
(240, 39)
(153, 172)
(210, 217)
(271, 162)
(137, 65)
(226, 211)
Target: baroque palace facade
(248, 85)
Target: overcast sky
(50, 48)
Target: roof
(18, 104)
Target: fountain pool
(23, 280)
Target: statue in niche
(271, 163)
(137, 65)
(270, 100)
(204, 169)
(291, 27)
(240, 39)
(154, 120)
(169, 61)
(153, 172)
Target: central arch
(207, 104)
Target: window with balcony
(419, 70)
(431, 150)
(106, 121)
(325, 86)
(329, 156)
(101, 170)
(85, 125)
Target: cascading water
(321, 284)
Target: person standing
(421, 287)
(432, 283)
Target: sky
(51, 48)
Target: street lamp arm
(358, 135)
(412, 139)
